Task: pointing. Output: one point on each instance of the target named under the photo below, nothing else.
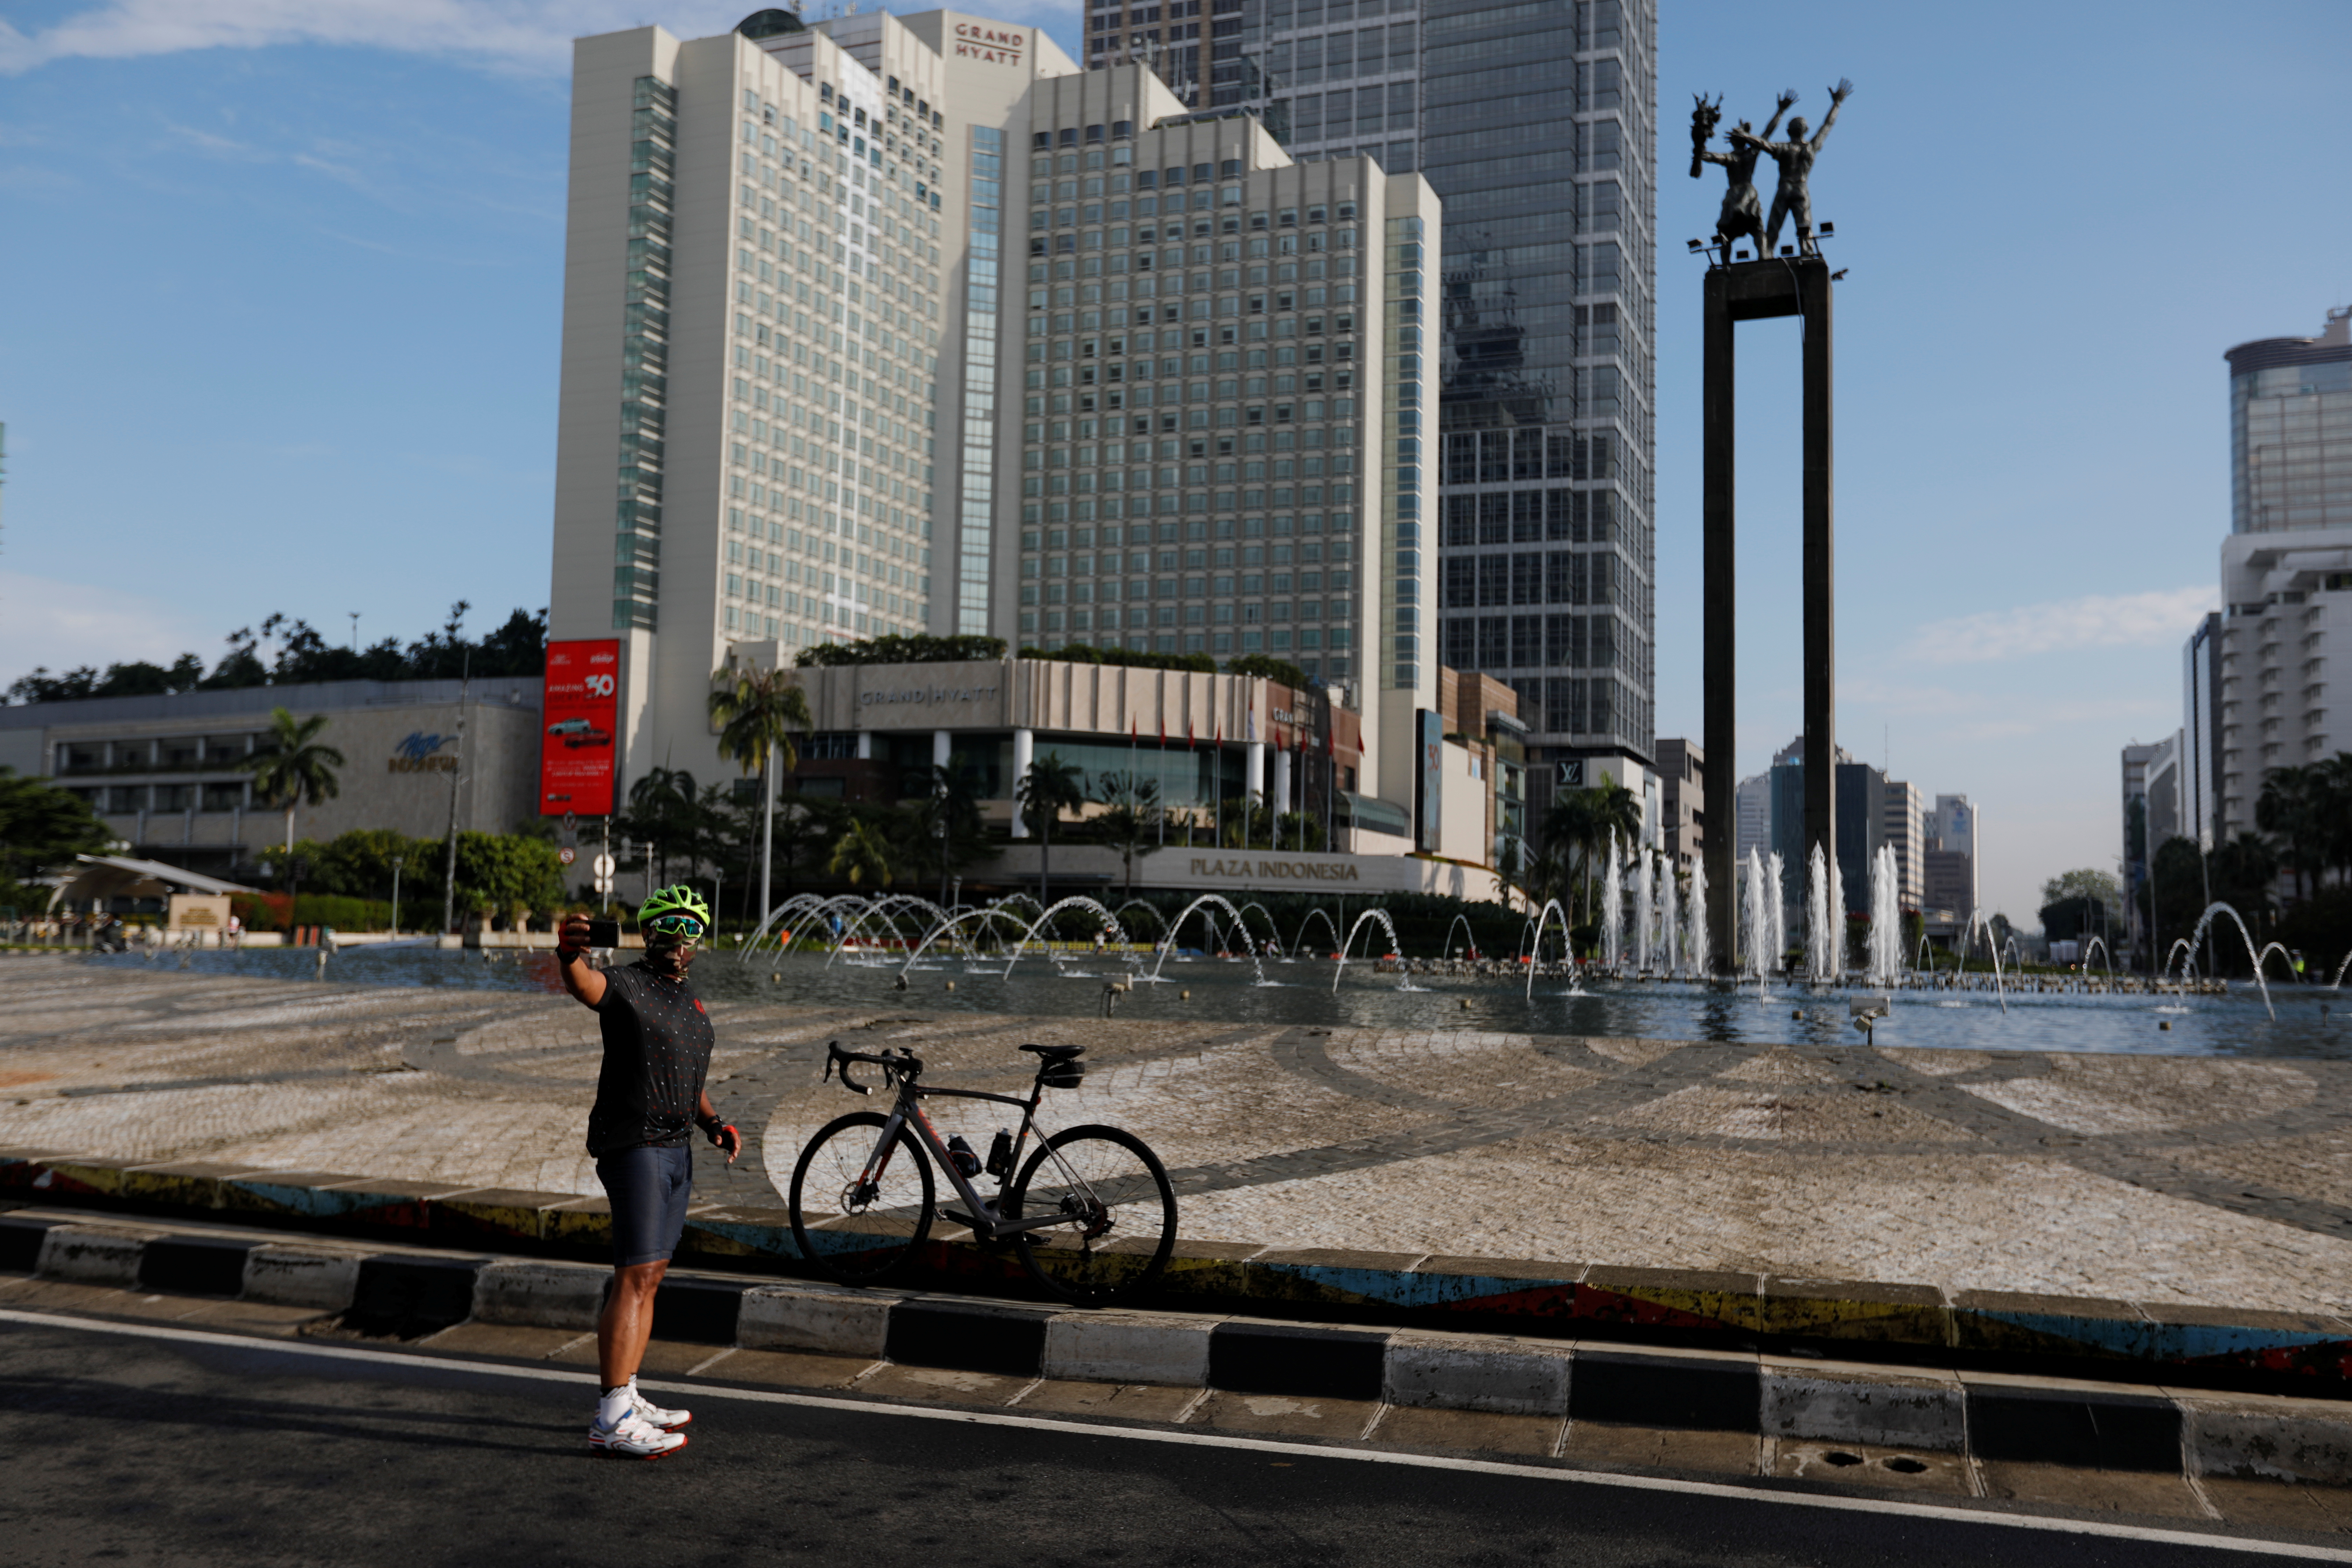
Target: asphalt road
(137, 1448)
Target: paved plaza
(2178, 1179)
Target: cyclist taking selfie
(649, 1103)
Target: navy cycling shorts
(648, 1188)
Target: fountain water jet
(1404, 979)
(1568, 940)
(1177, 926)
(1613, 908)
(1699, 952)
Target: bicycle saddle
(1057, 1053)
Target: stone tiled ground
(2164, 1179)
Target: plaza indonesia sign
(995, 46)
(1251, 872)
(422, 751)
(577, 719)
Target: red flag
(1131, 731)
(1163, 731)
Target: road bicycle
(1091, 1214)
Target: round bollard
(1797, 1015)
(1183, 996)
(950, 985)
(1466, 1004)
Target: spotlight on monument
(1694, 247)
(1840, 274)
(1739, 256)
(1828, 229)
(1788, 250)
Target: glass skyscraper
(1535, 124)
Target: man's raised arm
(1838, 95)
(582, 979)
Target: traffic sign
(565, 856)
(602, 866)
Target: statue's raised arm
(1838, 95)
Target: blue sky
(284, 288)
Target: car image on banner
(575, 749)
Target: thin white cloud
(523, 34)
(2062, 626)
(528, 37)
(59, 625)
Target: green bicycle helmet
(676, 899)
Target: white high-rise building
(2286, 568)
(855, 334)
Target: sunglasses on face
(674, 925)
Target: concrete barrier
(540, 1295)
(1129, 1347)
(301, 1276)
(2071, 1423)
(826, 1320)
(91, 1254)
(1505, 1377)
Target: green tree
(1581, 820)
(2086, 883)
(758, 711)
(292, 765)
(41, 827)
(501, 872)
(2292, 809)
(1050, 788)
(1133, 820)
(661, 816)
(1267, 668)
(947, 834)
(860, 852)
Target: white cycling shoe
(667, 1420)
(633, 1437)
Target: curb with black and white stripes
(1987, 1416)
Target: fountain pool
(1313, 991)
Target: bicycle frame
(907, 1110)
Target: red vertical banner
(578, 717)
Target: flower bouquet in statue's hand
(1704, 117)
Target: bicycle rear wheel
(883, 1198)
(1120, 1215)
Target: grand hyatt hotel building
(889, 325)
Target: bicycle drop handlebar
(894, 1064)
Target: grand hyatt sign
(995, 46)
(925, 694)
(1255, 871)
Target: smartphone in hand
(603, 934)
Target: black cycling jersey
(658, 1043)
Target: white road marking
(1194, 1437)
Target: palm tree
(758, 711)
(1133, 819)
(292, 766)
(859, 851)
(1050, 786)
(2284, 811)
(661, 814)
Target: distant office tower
(1906, 833)
(865, 321)
(2286, 594)
(1537, 127)
(2158, 787)
(1682, 815)
(1755, 820)
(1861, 824)
(1952, 857)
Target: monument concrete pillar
(1748, 291)
(942, 748)
(1281, 801)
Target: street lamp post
(397, 861)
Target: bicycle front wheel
(1118, 1215)
(881, 1195)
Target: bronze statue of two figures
(1743, 214)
